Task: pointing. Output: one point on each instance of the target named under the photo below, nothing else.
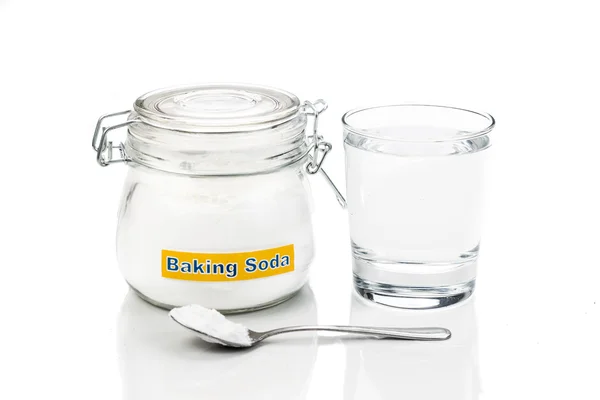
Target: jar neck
(218, 154)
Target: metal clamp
(103, 147)
(320, 148)
(316, 142)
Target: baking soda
(211, 322)
(167, 212)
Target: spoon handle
(381, 332)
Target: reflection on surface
(161, 360)
(389, 369)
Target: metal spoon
(426, 334)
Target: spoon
(250, 338)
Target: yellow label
(222, 267)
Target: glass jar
(216, 207)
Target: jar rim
(449, 123)
(217, 107)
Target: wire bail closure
(320, 148)
(104, 147)
(317, 150)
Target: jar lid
(221, 107)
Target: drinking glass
(414, 176)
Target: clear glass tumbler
(414, 176)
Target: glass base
(234, 311)
(410, 297)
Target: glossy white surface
(69, 328)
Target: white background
(68, 329)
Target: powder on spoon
(212, 323)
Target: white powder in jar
(212, 323)
(213, 215)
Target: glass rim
(467, 134)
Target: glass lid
(221, 107)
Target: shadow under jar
(216, 206)
(414, 176)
